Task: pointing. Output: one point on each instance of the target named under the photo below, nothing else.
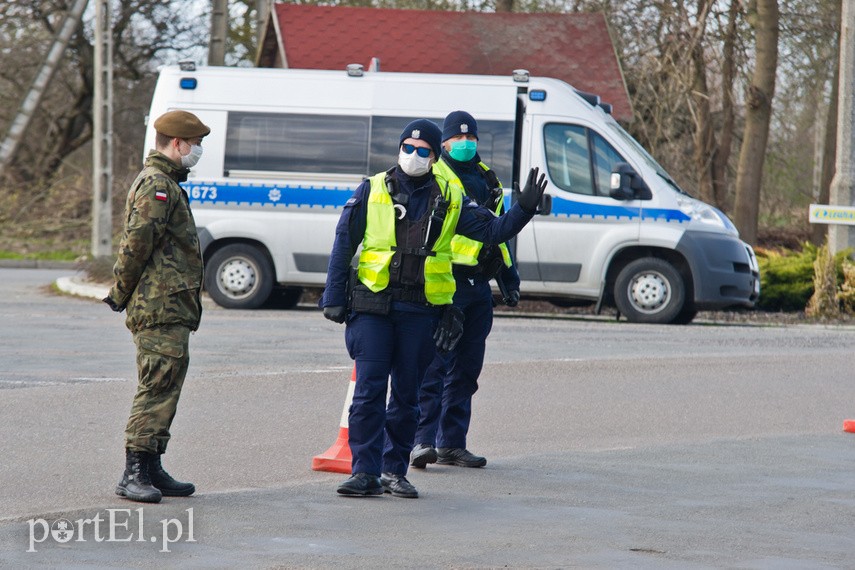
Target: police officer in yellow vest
(452, 378)
(398, 306)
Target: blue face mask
(463, 150)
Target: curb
(36, 264)
(73, 286)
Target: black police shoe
(422, 455)
(458, 456)
(398, 486)
(361, 485)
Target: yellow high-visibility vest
(465, 251)
(377, 252)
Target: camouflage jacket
(159, 267)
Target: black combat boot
(168, 486)
(136, 484)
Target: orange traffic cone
(849, 426)
(337, 458)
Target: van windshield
(651, 162)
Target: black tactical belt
(409, 295)
(363, 300)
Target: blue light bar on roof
(537, 95)
(187, 83)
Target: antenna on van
(593, 100)
(521, 75)
(354, 70)
(374, 65)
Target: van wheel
(239, 276)
(649, 290)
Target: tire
(239, 276)
(650, 290)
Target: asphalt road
(610, 445)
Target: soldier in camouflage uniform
(158, 280)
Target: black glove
(113, 304)
(335, 314)
(513, 298)
(450, 329)
(530, 196)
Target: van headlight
(704, 213)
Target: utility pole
(102, 132)
(843, 185)
(34, 95)
(262, 9)
(219, 29)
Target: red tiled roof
(573, 47)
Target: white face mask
(412, 164)
(190, 160)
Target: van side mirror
(626, 184)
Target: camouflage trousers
(162, 360)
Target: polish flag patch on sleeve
(160, 196)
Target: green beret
(181, 125)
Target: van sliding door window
(335, 144)
(573, 153)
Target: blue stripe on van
(209, 192)
(572, 209)
(663, 214)
(205, 192)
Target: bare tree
(144, 30)
(704, 137)
(758, 113)
(721, 160)
(816, 24)
(827, 167)
(684, 61)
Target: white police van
(288, 147)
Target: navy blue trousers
(452, 378)
(399, 345)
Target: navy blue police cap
(424, 130)
(459, 123)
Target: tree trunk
(749, 173)
(829, 156)
(504, 5)
(725, 140)
(703, 136)
(819, 232)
